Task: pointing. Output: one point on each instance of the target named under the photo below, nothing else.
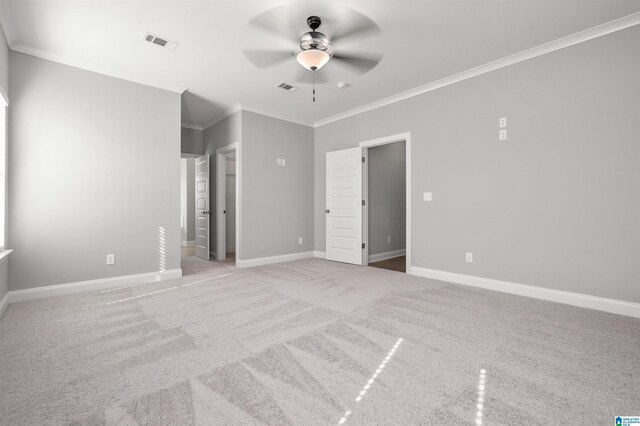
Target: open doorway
(187, 206)
(347, 208)
(227, 203)
(386, 206)
(387, 202)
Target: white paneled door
(203, 211)
(344, 206)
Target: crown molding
(543, 49)
(229, 112)
(6, 21)
(192, 126)
(100, 69)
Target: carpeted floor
(313, 342)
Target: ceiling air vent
(287, 87)
(159, 41)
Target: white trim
(386, 255)
(228, 113)
(4, 302)
(191, 126)
(576, 299)
(91, 285)
(543, 49)
(4, 254)
(273, 259)
(188, 243)
(100, 69)
(406, 137)
(221, 167)
(320, 254)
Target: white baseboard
(320, 254)
(386, 255)
(4, 303)
(273, 259)
(188, 243)
(91, 285)
(576, 299)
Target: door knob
(327, 211)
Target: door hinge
(362, 245)
(363, 159)
(363, 202)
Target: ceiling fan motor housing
(315, 39)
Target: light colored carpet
(297, 343)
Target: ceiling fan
(315, 49)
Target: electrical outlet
(502, 122)
(503, 135)
(300, 240)
(427, 196)
(111, 259)
(470, 257)
(388, 240)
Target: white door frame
(221, 166)
(400, 137)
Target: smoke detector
(160, 41)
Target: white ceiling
(422, 41)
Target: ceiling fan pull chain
(314, 86)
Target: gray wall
(277, 202)
(221, 134)
(188, 197)
(556, 205)
(95, 169)
(191, 141)
(387, 198)
(4, 64)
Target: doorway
(347, 215)
(228, 203)
(187, 206)
(386, 206)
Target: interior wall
(221, 134)
(387, 198)
(552, 206)
(191, 141)
(95, 169)
(230, 203)
(187, 201)
(4, 65)
(277, 201)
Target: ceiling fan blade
(360, 63)
(355, 25)
(305, 76)
(268, 58)
(270, 22)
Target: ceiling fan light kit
(313, 59)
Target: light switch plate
(427, 196)
(503, 134)
(111, 259)
(502, 122)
